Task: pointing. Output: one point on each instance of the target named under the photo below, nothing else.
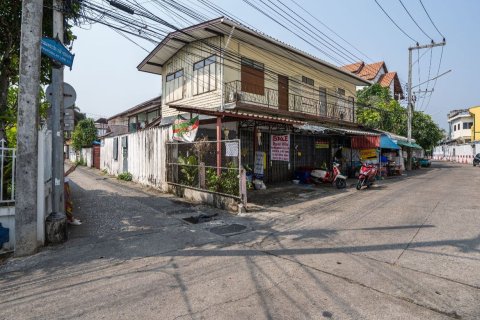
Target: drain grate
(229, 229)
(200, 218)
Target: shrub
(125, 176)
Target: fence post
(201, 175)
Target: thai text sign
(368, 154)
(321, 144)
(280, 147)
(259, 164)
(57, 51)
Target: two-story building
(257, 87)
(136, 118)
(378, 73)
(460, 123)
(475, 113)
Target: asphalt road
(408, 248)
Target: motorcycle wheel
(359, 184)
(341, 183)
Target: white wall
(87, 156)
(463, 153)
(462, 133)
(146, 156)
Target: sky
(107, 82)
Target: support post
(56, 222)
(410, 107)
(219, 145)
(409, 110)
(27, 126)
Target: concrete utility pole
(410, 107)
(56, 222)
(27, 126)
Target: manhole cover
(229, 229)
(199, 219)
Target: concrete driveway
(406, 249)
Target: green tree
(425, 131)
(84, 134)
(377, 109)
(10, 22)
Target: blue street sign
(57, 51)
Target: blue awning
(387, 143)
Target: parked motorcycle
(367, 175)
(334, 177)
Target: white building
(460, 124)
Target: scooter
(367, 175)
(335, 177)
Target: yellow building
(475, 112)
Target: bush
(188, 170)
(125, 176)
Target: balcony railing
(332, 106)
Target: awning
(387, 143)
(407, 144)
(365, 142)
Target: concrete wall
(44, 192)
(87, 156)
(462, 153)
(215, 200)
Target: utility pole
(27, 126)
(410, 106)
(56, 222)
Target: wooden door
(96, 157)
(253, 80)
(282, 92)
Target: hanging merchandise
(185, 129)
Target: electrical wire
(149, 15)
(414, 21)
(435, 82)
(395, 22)
(331, 30)
(431, 20)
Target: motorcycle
(334, 177)
(367, 175)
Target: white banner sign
(280, 147)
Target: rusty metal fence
(197, 165)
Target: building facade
(460, 123)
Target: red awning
(365, 142)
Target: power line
(318, 30)
(428, 83)
(411, 17)
(331, 30)
(435, 83)
(395, 22)
(431, 20)
(265, 13)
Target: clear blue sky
(107, 82)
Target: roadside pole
(27, 126)
(410, 107)
(56, 222)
